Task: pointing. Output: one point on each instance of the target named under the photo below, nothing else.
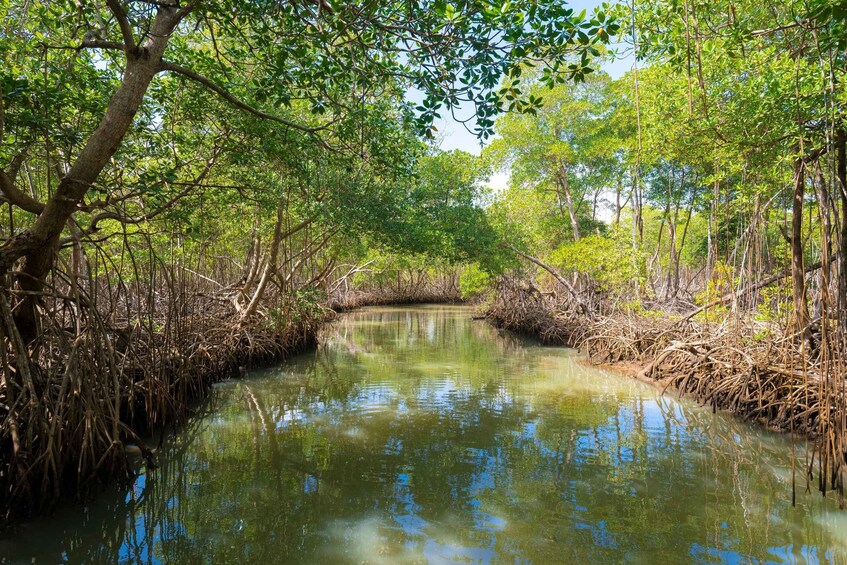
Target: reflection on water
(417, 435)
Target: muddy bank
(756, 372)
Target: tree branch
(223, 93)
(187, 9)
(291, 231)
(123, 22)
(99, 44)
(12, 194)
(784, 27)
(750, 288)
(112, 215)
(125, 220)
(90, 43)
(562, 280)
(160, 4)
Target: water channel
(417, 435)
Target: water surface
(418, 435)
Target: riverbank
(753, 371)
(73, 425)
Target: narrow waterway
(418, 435)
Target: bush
(473, 281)
(609, 260)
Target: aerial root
(100, 378)
(765, 377)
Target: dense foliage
(721, 151)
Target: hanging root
(100, 378)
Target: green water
(419, 435)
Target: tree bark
(841, 185)
(798, 273)
(564, 186)
(37, 246)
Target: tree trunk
(637, 219)
(798, 274)
(270, 266)
(635, 216)
(672, 275)
(564, 186)
(37, 246)
(825, 210)
(618, 190)
(681, 246)
(841, 184)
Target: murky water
(418, 435)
